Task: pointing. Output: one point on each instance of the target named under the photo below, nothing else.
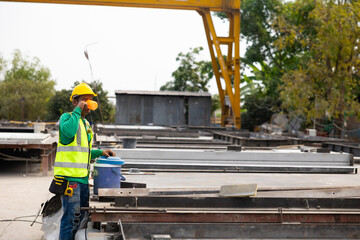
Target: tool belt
(58, 185)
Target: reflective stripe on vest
(73, 159)
(70, 165)
(72, 149)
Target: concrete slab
(271, 158)
(23, 138)
(264, 180)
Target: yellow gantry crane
(228, 70)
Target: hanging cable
(344, 130)
(92, 78)
(322, 125)
(335, 125)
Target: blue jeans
(72, 215)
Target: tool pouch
(58, 185)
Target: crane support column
(229, 70)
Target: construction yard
(273, 154)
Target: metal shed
(163, 108)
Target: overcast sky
(134, 48)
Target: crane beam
(212, 5)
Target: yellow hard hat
(81, 89)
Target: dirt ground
(22, 194)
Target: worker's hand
(108, 153)
(82, 105)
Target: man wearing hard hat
(74, 151)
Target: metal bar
(213, 5)
(243, 230)
(327, 192)
(44, 164)
(237, 113)
(27, 146)
(342, 147)
(230, 157)
(200, 217)
(214, 65)
(223, 66)
(253, 202)
(226, 40)
(241, 168)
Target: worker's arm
(68, 126)
(95, 153)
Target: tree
(215, 103)
(325, 82)
(26, 88)
(107, 108)
(257, 18)
(262, 65)
(191, 75)
(61, 103)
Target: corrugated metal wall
(162, 110)
(199, 111)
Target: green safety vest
(73, 159)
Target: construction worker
(72, 161)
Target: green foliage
(221, 15)
(107, 108)
(59, 104)
(326, 79)
(25, 89)
(259, 109)
(257, 18)
(191, 75)
(265, 62)
(215, 103)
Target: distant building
(163, 108)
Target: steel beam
(213, 5)
(200, 217)
(243, 231)
(253, 202)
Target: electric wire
(345, 130)
(319, 124)
(335, 125)
(16, 219)
(122, 229)
(93, 81)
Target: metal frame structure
(231, 218)
(228, 70)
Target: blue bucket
(107, 173)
